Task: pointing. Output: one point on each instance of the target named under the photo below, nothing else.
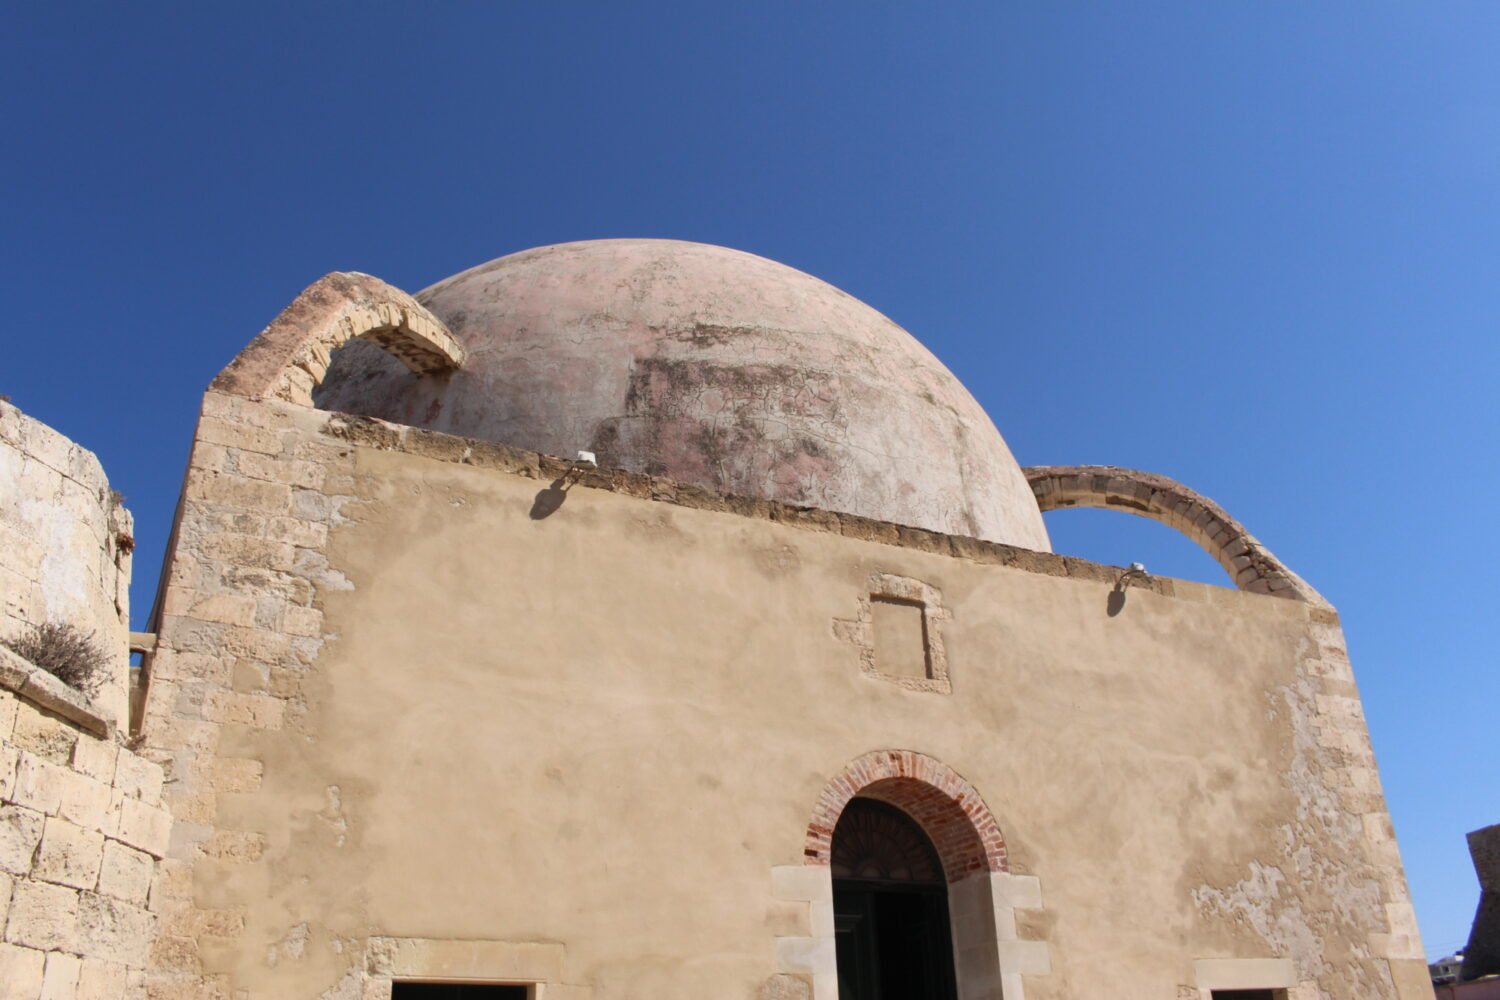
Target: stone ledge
(37, 686)
(382, 435)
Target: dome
(708, 366)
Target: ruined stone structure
(789, 690)
(1482, 953)
(83, 833)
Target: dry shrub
(65, 652)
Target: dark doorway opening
(890, 908)
(456, 991)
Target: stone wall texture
(65, 544)
(82, 832)
(82, 827)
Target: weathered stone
(20, 833)
(44, 735)
(125, 873)
(60, 981)
(69, 855)
(136, 777)
(43, 916)
(114, 930)
(95, 758)
(144, 827)
(101, 980)
(84, 801)
(21, 971)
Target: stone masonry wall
(65, 544)
(82, 830)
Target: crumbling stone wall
(82, 828)
(1482, 954)
(65, 544)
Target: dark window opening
(456, 991)
(1248, 994)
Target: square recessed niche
(900, 638)
(898, 633)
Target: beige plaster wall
(394, 705)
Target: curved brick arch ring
(291, 356)
(1249, 564)
(947, 807)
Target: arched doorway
(890, 905)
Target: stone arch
(949, 810)
(1249, 564)
(291, 356)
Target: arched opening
(1119, 537)
(1250, 565)
(890, 907)
(290, 358)
(902, 821)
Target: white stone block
(43, 916)
(143, 827)
(125, 873)
(39, 784)
(60, 980)
(20, 833)
(113, 930)
(1019, 892)
(1244, 973)
(802, 883)
(95, 758)
(138, 778)
(84, 800)
(69, 854)
(101, 980)
(1026, 958)
(806, 955)
(21, 971)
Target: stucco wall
(65, 544)
(414, 721)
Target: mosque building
(645, 620)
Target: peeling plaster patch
(333, 815)
(292, 946)
(1257, 899)
(314, 566)
(1323, 859)
(351, 987)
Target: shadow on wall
(550, 499)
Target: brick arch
(947, 807)
(291, 356)
(1249, 564)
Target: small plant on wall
(67, 653)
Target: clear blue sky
(1253, 247)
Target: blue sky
(1253, 247)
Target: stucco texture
(604, 727)
(709, 366)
